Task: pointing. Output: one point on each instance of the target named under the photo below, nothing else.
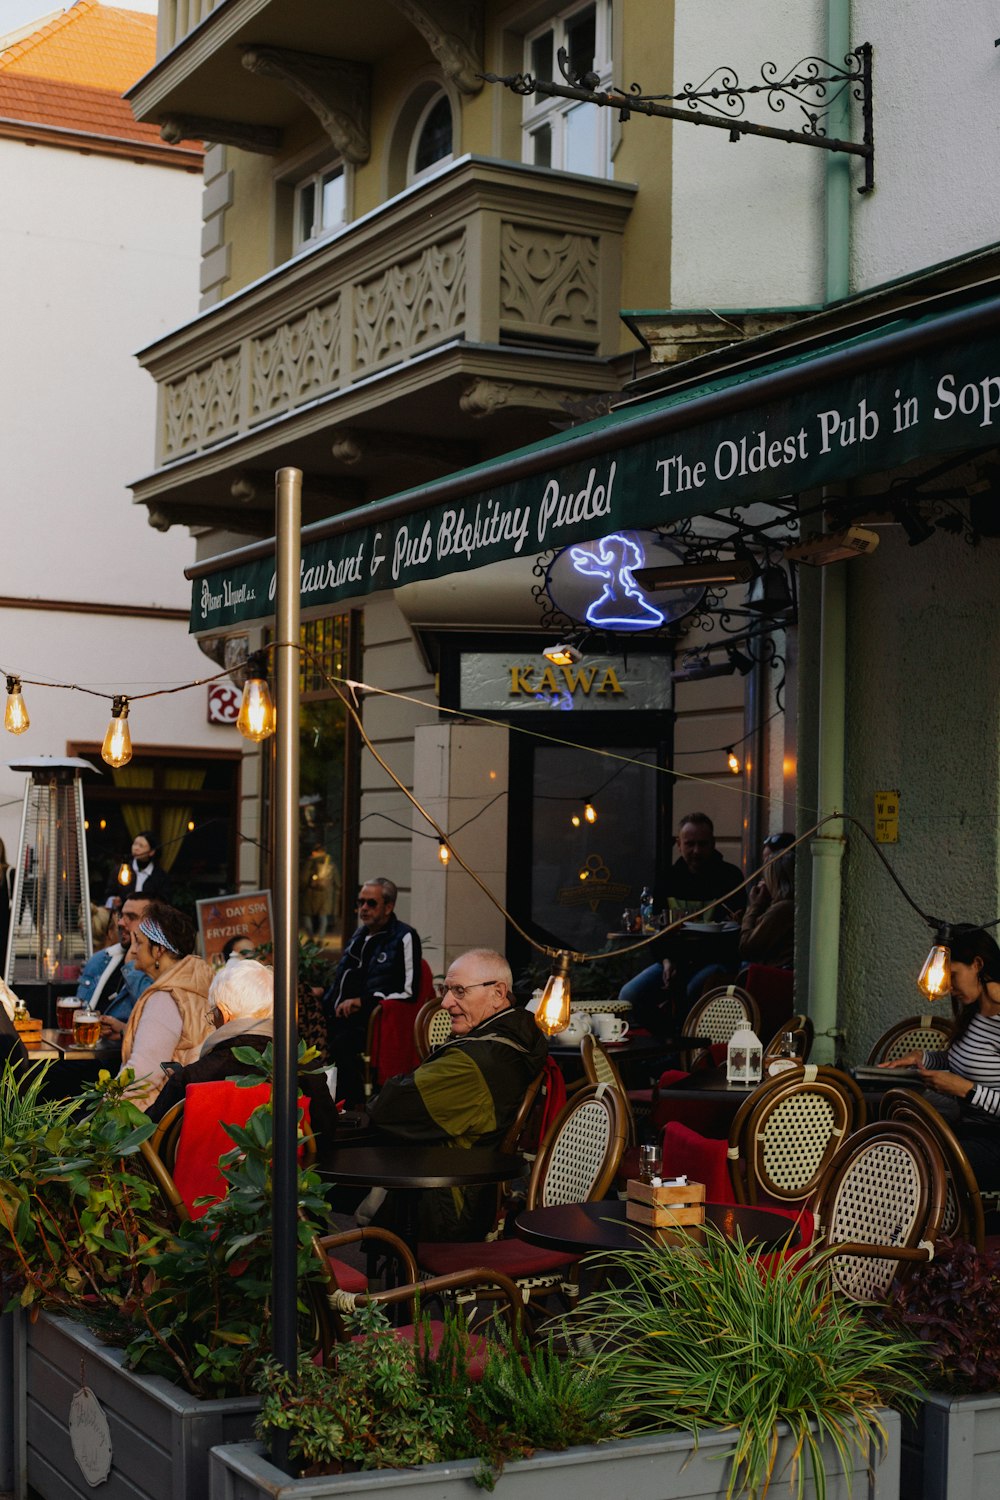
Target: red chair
(391, 1046)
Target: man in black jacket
(382, 960)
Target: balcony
(491, 292)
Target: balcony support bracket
(260, 138)
(453, 30)
(337, 91)
(484, 398)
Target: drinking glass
(86, 1028)
(650, 1163)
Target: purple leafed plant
(952, 1303)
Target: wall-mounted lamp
(696, 667)
(689, 575)
(836, 546)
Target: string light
(15, 715)
(124, 873)
(553, 1010)
(733, 761)
(934, 979)
(256, 718)
(590, 813)
(117, 747)
(575, 820)
(444, 853)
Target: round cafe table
(576, 1228)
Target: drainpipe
(828, 847)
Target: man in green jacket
(468, 1090)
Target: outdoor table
(576, 1228)
(68, 1051)
(631, 1054)
(412, 1169)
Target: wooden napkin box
(666, 1207)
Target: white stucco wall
(747, 217)
(937, 134)
(98, 256)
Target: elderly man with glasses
(381, 961)
(468, 1090)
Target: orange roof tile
(71, 73)
(94, 45)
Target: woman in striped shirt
(969, 1069)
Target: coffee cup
(609, 1028)
(577, 1027)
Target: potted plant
(84, 1234)
(951, 1448)
(718, 1377)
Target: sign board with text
(224, 920)
(510, 682)
(887, 817)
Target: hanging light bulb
(934, 979)
(575, 820)
(553, 1010)
(124, 873)
(15, 715)
(117, 747)
(444, 853)
(590, 813)
(256, 718)
(733, 761)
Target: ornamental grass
(692, 1336)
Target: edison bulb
(934, 980)
(15, 715)
(590, 813)
(117, 747)
(733, 762)
(553, 1010)
(444, 853)
(256, 717)
(124, 873)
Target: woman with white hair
(241, 1008)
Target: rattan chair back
(718, 1014)
(963, 1209)
(581, 1152)
(880, 1206)
(915, 1034)
(598, 1067)
(801, 1029)
(431, 1027)
(786, 1132)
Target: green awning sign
(870, 404)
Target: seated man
(241, 1000)
(469, 1089)
(382, 960)
(662, 993)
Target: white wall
(98, 256)
(937, 135)
(747, 217)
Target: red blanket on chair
(203, 1138)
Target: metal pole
(288, 520)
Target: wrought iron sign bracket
(814, 85)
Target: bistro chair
(459, 1286)
(879, 1207)
(786, 1133)
(802, 1032)
(431, 1027)
(577, 1163)
(717, 1015)
(963, 1209)
(915, 1034)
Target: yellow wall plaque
(887, 817)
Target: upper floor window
(432, 136)
(320, 205)
(562, 133)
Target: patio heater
(49, 936)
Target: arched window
(432, 136)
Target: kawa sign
(866, 406)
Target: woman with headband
(170, 1020)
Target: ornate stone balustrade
(487, 253)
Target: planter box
(645, 1468)
(951, 1451)
(160, 1435)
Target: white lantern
(744, 1057)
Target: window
(320, 205)
(432, 137)
(559, 133)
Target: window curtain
(137, 815)
(176, 815)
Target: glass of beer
(66, 1009)
(86, 1028)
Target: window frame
(539, 111)
(315, 179)
(434, 99)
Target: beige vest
(187, 985)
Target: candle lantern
(744, 1057)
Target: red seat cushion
(513, 1256)
(348, 1278)
(700, 1159)
(477, 1345)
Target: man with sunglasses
(468, 1091)
(382, 960)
